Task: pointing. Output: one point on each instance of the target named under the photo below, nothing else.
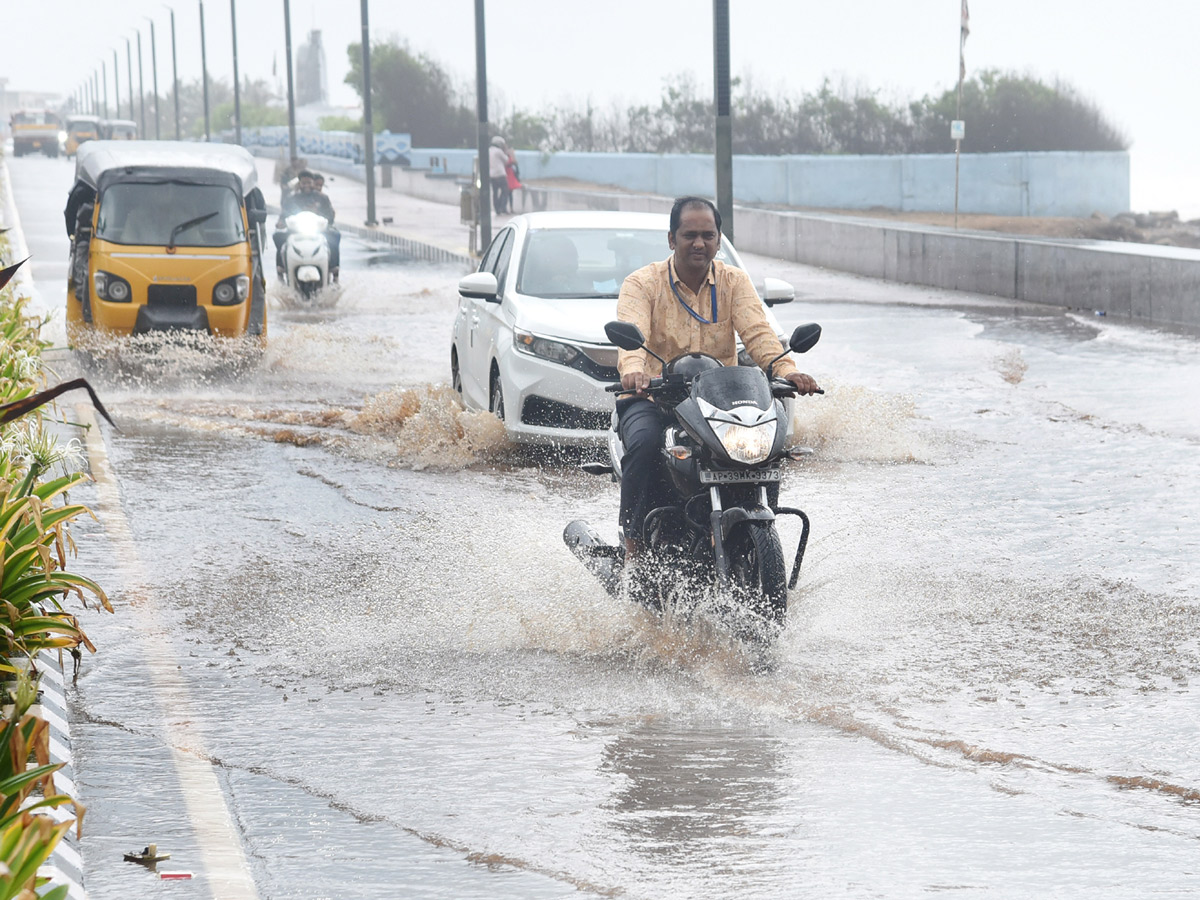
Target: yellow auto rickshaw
(118, 130)
(165, 236)
(80, 129)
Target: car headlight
(555, 351)
(111, 287)
(746, 445)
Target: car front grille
(546, 413)
(178, 295)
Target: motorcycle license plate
(710, 477)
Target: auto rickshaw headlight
(111, 287)
(231, 290)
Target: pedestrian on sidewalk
(497, 160)
(512, 176)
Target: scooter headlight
(744, 444)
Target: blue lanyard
(691, 312)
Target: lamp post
(368, 125)
(237, 88)
(724, 135)
(104, 81)
(287, 40)
(154, 77)
(175, 74)
(116, 86)
(204, 74)
(129, 72)
(141, 89)
(485, 181)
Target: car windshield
(148, 213)
(576, 263)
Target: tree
(413, 94)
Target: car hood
(572, 320)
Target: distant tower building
(311, 71)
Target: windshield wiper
(191, 223)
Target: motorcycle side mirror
(805, 337)
(625, 335)
(256, 216)
(802, 340)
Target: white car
(529, 340)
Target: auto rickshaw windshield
(147, 213)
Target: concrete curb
(65, 866)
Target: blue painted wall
(1012, 184)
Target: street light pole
(129, 72)
(485, 181)
(724, 132)
(204, 74)
(237, 88)
(154, 77)
(175, 74)
(116, 86)
(287, 40)
(104, 81)
(141, 88)
(368, 125)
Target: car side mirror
(480, 286)
(805, 337)
(625, 335)
(776, 290)
(256, 216)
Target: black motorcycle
(724, 456)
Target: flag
(275, 58)
(966, 20)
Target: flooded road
(349, 601)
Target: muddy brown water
(406, 685)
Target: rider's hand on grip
(635, 383)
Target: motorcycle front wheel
(758, 571)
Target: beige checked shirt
(649, 303)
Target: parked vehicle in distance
(167, 236)
(81, 129)
(528, 342)
(35, 131)
(118, 130)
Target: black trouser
(332, 235)
(643, 476)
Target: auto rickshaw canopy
(101, 163)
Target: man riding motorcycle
(307, 197)
(687, 303)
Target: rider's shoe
(333, 274)
(279, 272)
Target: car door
(486, 322)
(473, 363)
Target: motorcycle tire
(758, 570)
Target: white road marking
(224, 859)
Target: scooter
(306, 253)
(724, 455)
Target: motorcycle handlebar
(781, 387)
(655, 384)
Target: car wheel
(497, 401)
(455, 374)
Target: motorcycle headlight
(747, 445)
(555, 351)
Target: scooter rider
(308, 197)
(687, 303)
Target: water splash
(850, 423)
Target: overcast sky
(1136, 60)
